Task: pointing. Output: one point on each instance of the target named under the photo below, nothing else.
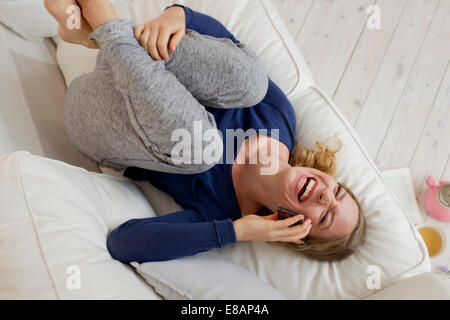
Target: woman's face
(331, 209)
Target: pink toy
(437, 199)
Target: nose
(326, 198)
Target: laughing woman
(185, 70)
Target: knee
(254, 83)
(221, 66)
(248, 78)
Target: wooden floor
(393, 84)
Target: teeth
(308, 189)
(301, 185)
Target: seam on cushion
(288, 50)
(34, 226)
(358, 143)
(164, 281)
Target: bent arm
(168, 237)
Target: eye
(328, 211)
(324, 217)
(338, 190)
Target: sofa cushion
(54, 219)
(212, 276)
(28, 18)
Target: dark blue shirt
(208, 198)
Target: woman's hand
(270, 229)
(162, 33)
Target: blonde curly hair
(324, 159)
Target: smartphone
(284, 213)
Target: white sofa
(54, 217)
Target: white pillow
(28, 18)
(254, 22)
(205, 276)
(54, 219)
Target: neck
(254, 189)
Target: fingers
(176, 39)
(288, 233)
(138, 31)
(144, 37)
(297, 236)
(290, 221)
(162, 44)
(147, 37)
(151, 44)
(300, 231)
(158, 37)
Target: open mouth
(306, 188)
